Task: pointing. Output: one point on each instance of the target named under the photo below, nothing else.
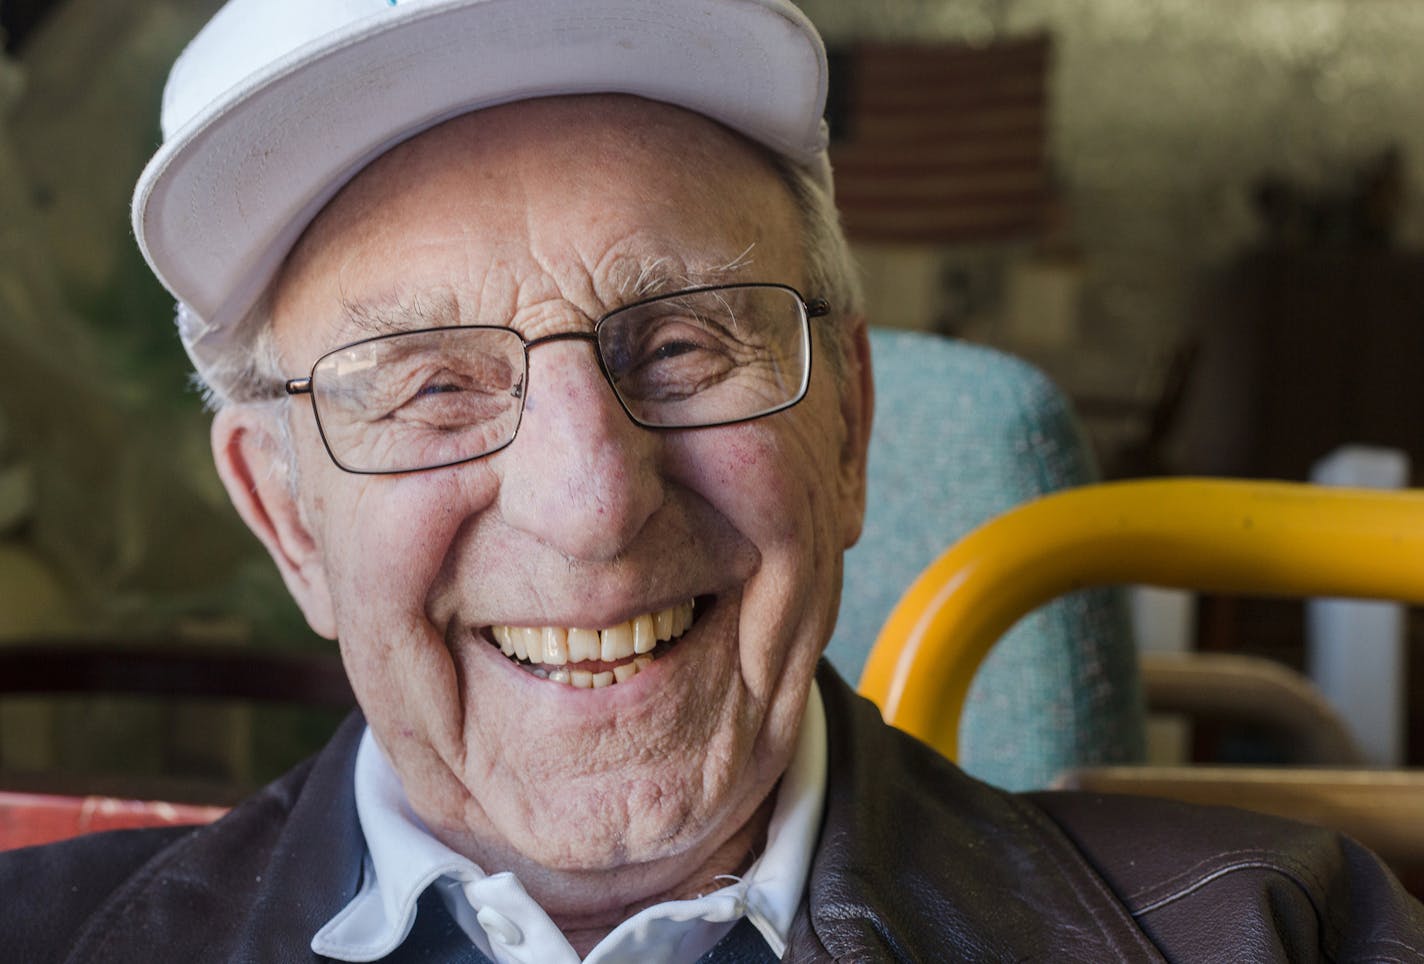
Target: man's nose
(580, 476)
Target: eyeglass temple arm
(298, 386)
(815, 308)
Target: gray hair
(251, 370)
(830, 269)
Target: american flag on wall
(941, 143)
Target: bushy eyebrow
(388, 318)
(654, 276)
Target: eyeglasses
(426, 399)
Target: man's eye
(439, 388)
(671, 343)
(431, 389)
(672, 349)
(672, 335)
(672, 360)
(676, 347)
(450, 400)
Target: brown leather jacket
(917, 862)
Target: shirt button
(499, 927)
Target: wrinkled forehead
(586, 201)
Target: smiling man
(583, 644)
(539, 370)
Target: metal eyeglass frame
(810, 308)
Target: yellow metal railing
(1239, 537)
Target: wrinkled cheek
(759, 494)
(385, 551)
(770, 485)
(406, 682)
(387, 546)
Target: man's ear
(254, 466)
(857, 412)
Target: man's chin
(635, 852)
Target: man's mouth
(594, 658)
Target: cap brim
(225, 198)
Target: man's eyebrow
(654, 276)
(398, 315)
(644, 279)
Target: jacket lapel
(917, 862)
(315, 866)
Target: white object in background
(1164, 621)
(1355, 648)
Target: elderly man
(539, 372)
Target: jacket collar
(917, 861)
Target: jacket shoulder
(1217, 880)
(919, 862)
(247, 887)
(52, 890)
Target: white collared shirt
(403, 858)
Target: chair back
(963, 433)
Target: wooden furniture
(196, 690)
(173, 669)
(1379, 808)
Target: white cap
(278, 103)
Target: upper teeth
(557, 646)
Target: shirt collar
(403, 858)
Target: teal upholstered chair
(961, 434)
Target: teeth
(583, 645)
(552, 648)
(556, 646)
(501, 635)
(617, 642)
(532, 643)
(644, 637)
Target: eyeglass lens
(424, 399)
